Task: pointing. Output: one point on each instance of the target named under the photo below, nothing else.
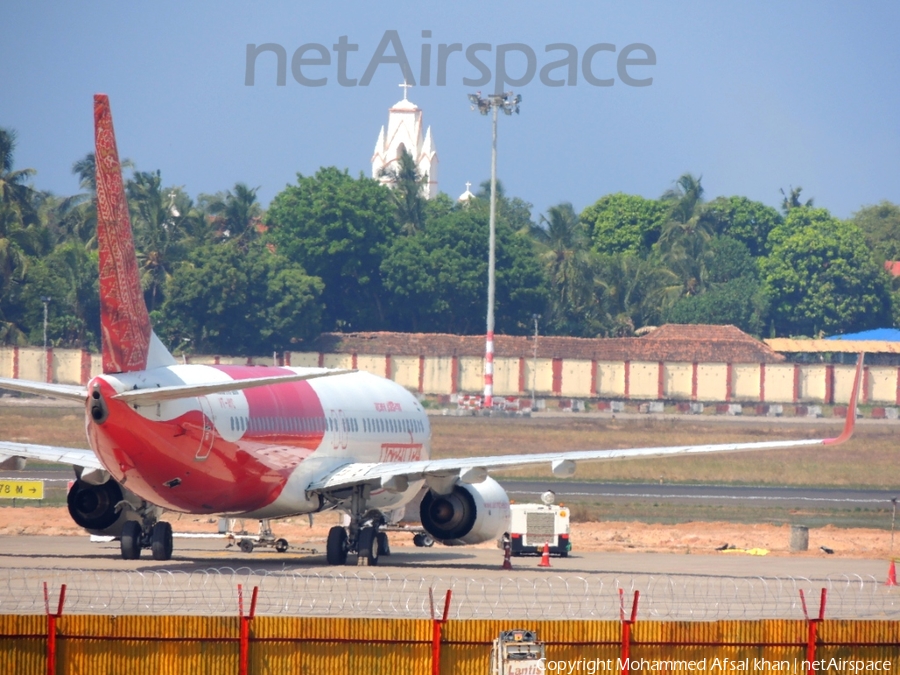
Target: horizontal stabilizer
(68, 392)
(147, 396)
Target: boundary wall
(244, 645)
(550, 377)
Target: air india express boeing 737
(243, 442)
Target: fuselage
(253, 451)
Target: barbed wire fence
(391, 595)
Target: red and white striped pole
(489, 371)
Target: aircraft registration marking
(21, 489)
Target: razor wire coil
(391, 595)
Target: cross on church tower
(406, 87)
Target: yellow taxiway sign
(21, 489)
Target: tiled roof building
(672, 342)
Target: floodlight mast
(509, 104)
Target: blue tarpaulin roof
(880, 334)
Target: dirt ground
(687, 538)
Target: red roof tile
(678, 343)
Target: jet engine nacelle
(93, 507)
(470, 514)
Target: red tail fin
(124, 322)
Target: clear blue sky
(753, 96)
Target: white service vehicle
(533, 525)
(517, 652)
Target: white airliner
(259, 443)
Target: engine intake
(470, 514)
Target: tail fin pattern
(124, 321)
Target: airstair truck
(517, 652)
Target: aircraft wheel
(423, 539)
(161, 541)
(246, 545)
(281, 545)
(130, 541)
(384, 547)
(336, 546)
(368, 544)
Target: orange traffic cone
(892, 575)
(507, 550)
(545, 556)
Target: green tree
(68, 275)
(743, 219)
(514, 210)
(621, 223)
(229, 299)
(338, 228)
(437, 279)
(734, 294)
(734, 302)
(820, 277)
(881, 226)
(797, 219)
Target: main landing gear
(362, 536)
(156, 536)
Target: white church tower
(404, 131)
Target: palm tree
(13, 190)
(407, 187)
(791, 199)
(86, 170)
(685, 236)
(158, 231)
(637, 291)
(563, 248)
(236, 215)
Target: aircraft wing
(441, 474)
(475, 469)
(49, 453)
(69, 392)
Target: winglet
(850, 422)
(124, 321)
